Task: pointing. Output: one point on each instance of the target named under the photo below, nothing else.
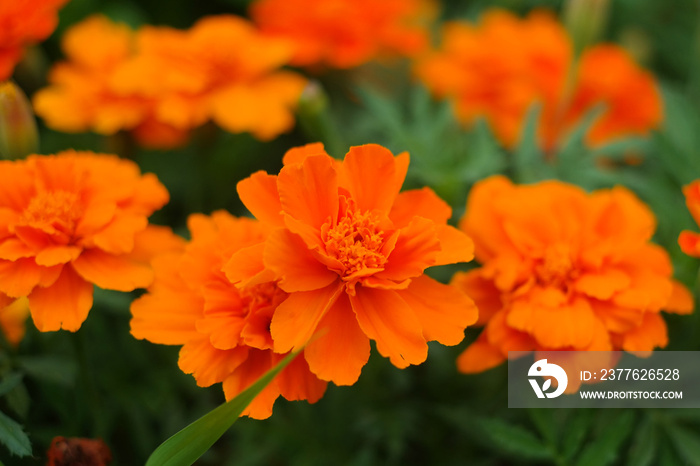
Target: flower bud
(18, 133)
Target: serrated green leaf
(513, 439)
(186, 446)
(604, 449)
(643, 450)
(529, 164)
(545, 422)
(686, 443)
(576, 432)
(9, 382)
(13, 437)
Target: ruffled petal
(387, 319)
(416, 248)
(207, 364)
(112, 272)
(650, 334)
(259, 194)
(479, 357)
(339, 350)
(63, 305)
(422, 203)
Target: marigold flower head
(564, 270)
(22, 23)
(345, 33)
(71, 220)
(689, 241)
(351, 251)
(13, 317)
(160, 82)
(224, 330)
(501, 67)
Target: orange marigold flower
(22, 23)
(160, 82)
(503, 66)
(564, 270)
(351, 251)
(345, 33)
(689, 241)
(69, 221)
(224, 329)
(13, 316)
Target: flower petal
(249, 372)
(259, 194)
(374, 176)
(681, 300)
(296, 319)
(416, 248)
(299, 154)
(443, 311)
(602, 285)
(309, 191)
(479, 356)
(246, 267)
(55, 255)
(291, 261)
(455, 246)
(297, 382)
(63, 305)
(18, 278)
(419, 202)
(339, 349)
(207, 364)
(112, 272)
(484, 293)
(118, 236)
(391, 323)
(650, 334)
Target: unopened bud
(18, 133)
(585, 21)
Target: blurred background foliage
(101, 382)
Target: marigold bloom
(351, 251)
(564, 270)
(69, 221)
(22, 23)
(160, 82)
(224, 329)
(344, 33)
(13, 316)
(689, 241)
(503, 66)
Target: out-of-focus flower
(13, 317)
(345, 33)
(351, 251)
(18, 134)
(689, 241)
(224, 329)
(160, 82)
(71, 220)
(78, 452)
(503, 66)
(564, 270)
(23, 23)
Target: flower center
(556, 267)
(356, 242)
(54, 212)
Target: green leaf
(687, 443)
(9, 382)
(513, 439)
(529, 164)
(545, 423)
(575, 432)
(13, 437)
(643, 449)
(55, 369)
(186, 446)
(604, 450)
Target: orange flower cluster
(224, 329)
(690, 241)
(23, 23)
(72, 220)
(350, 251)
(159, 82)
(564, 270)
(345, 33)
(502, 67)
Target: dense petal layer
(63, 305)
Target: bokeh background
(101, 382)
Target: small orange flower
(224, 330)
(689, 241)
(22, 23)
(13, 316)
(564, 270)
(72, 220)
(344, 33)
(160, 82)
(503, 66)
(351, 251)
